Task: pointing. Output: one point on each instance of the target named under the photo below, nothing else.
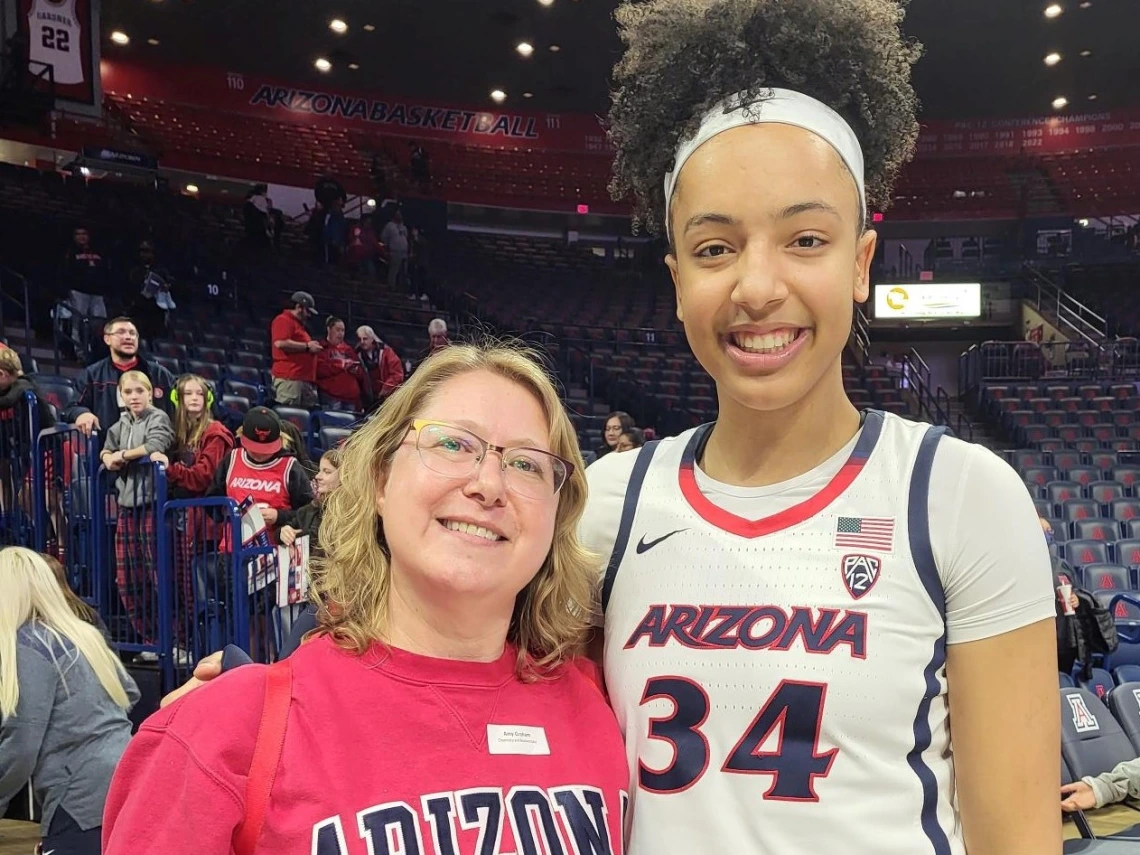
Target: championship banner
(1032, 136)
(58, 33)
(378, 113)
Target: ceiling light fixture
(1086, 53)
(1054, 10)
(524, 48)
(1086, 4)
(152, 42)
(1052, 58)
(192, 189)
(498, 96)
(338, 26)
(354, 66)
(371, 203)
(555, 48)
(1060, 103)
(321, 64)
(120, 38)
(545, 2)
(528, 94)
(1093, 97)
(369, 28)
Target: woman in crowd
(461, 593)
(630, 440)
(339, 372)
(383, 370)
(64, 698)
(617, 423)
(142, 430)
(307, 520)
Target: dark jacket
(15, 395)
(308, 521)
(99, 390)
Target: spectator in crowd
(259, 226)
(295, 353)
(13, 385)
(383, 370)
(86, 281)
(298, 446)
(437, 335)
(200, 441)
(394, 236)
(420, 259)
(336, 232)
(308, 518)
(99, 403)
(78, 607)
(1092, 792)
(261, 468)
(617, 423)
(143, 433)
(455, 592)
(630, 440)
(339, 372)
(363, 246)
(420, 166)
(151, 302)
(64, 698)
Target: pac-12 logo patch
(860, 573)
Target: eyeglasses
(458, 453)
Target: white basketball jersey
(781, 682)
(55, 35)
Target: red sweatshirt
(339, 372)
(195, 477)
(386, 753)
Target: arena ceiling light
(354, 66)
(321, 64)
(1054, 10)
(555, 48)
(528, 94)
(1060, 103)
(545, 2)
(1052, 58)
(192, 189)
(524, 48)
(1093, 97)
(120, 38)
(152, 42)
(1086, 53)
(498, 96)
(338, 26)
(369, 28)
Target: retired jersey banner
(57, 37)
(367, 112)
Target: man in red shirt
(338, 370)
(295, 353)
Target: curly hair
(351, 584)
(683, 57)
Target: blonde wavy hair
(351, 584)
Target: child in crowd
(308, 518)
(143, 432)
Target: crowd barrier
(171, 578)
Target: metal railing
(1071, 316)
(14, 302)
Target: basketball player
(802, 598)
(55, 35)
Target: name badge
(516, 739)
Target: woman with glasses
(440, 706)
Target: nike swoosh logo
(645, 545)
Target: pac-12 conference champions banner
(253, 95)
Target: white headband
(784, 107)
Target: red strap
(266, 755)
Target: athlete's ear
(671, 263)
(864, 255)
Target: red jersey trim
(733, 524)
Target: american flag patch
(865, 533)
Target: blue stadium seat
(1024, 458)
(207, 370)
(247, 359)
(57, 391)
(171, 365)
(216, 355)
(1105, 491)
(1061, 491)
(1126, 674)
(237, 404)
(298, 417)
(1128, 552)
(1100, 683)
(1107, 577)
(1066, 680)
(1127, 616)
(1082, 552)
(1065, 460)
(1080, 509)
(1126, 475)
(1124, 703)
(1105, 461)
(1096, 529)
(331, 437)
(333, 418)
(243, 373)
(1083, 475)
(1124, 510)
(1060, 530)
(171, 350)
(1092, 740)
(1039, 475)
(244, 390)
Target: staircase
(1036, 191)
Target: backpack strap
(266, 755)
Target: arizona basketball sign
(60, 47)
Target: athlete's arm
(1001, 656)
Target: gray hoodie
(67, 735)
(150, 429)
(1116, 786)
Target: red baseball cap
(261, 431)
